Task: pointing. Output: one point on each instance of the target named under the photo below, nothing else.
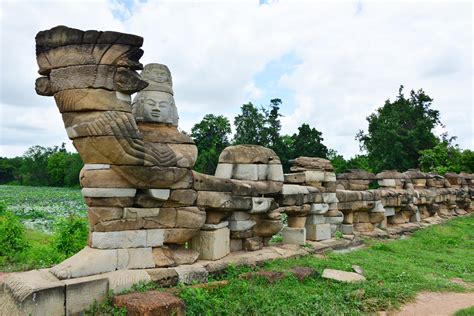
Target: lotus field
(40, 207)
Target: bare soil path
(434, 303)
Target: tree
(337, 161)
(249, 126)
(359, 162)
(10, 170)
(211, 136)
(34, 168)
(446, 156)
(308, 142)
(271, 130)
(398, 131)
(64, 168)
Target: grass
(40, 253)
(395, 271)
(465, 312)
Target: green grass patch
(395, 271)
(465, 312)
(40, 253)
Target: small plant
(106, 308)
(276, 239)
(12, 235)
(338, 234)
(70, 234)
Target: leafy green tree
(285, 152)
(446, 156)
(250, 126)
(64, 168)
(359, 162)
(337, 161)
(34, 168)
(10, 170)
(399, 130)
(308, 142)
(211, 136)
(272, 126)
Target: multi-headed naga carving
(148, 208)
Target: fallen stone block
(270, 276)
(150, 303)
(342, 276)
(302, 273)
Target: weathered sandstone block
(212, 244)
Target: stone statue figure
(155, 104)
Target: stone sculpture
(148, 209)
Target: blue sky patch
(267, 81)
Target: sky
(332, 63)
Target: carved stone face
(158, 76)
(155, 107)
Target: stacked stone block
(320, 217)
(241, 194)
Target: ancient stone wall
(152, 216)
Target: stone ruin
(153, 218)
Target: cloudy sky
(332, 63)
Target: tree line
(400, 136)
(42, 166)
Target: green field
(45, 213)
(39, 207)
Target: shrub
(12, 235)
(70, 234)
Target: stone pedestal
(295, 236)
(318, 231)
(212, 244)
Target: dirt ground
(434, 303)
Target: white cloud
(354, 55)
